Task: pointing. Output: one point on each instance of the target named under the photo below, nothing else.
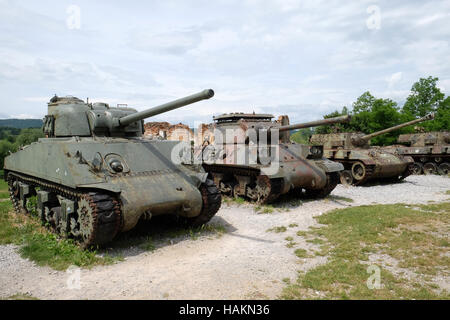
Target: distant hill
(21, 123)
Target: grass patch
(301, 253)
(233, 200)
(339, 198)
(4, 193)
(265, 209)
(21, 296)
(40, 245)
(415, 236)
(290, 241)
(277, 229)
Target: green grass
(264, 209)
(301, 253)
(4, 193)
(21, 296)
(47, 250)
(42, 246)
(277, 229)
(415, 236)
(339, 198)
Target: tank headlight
(316, 151)
(116, 165)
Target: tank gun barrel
(317, 123)
(203, 95)
(367, 137)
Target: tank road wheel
(417, 168)
(444, 168)
(430, 168)
(261, 191)
(332, 182)
(212, 199)
(14, 194)
(346, 177)
(358, 171)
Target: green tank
(362, 161)
(94, 175)
(250, 155)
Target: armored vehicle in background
(430, 151)
(363, 162)
(95, 176)
(247, 158)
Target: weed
(277, 229)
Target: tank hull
(264, 180)
(427, 159)
(378, 164)
(151, 183)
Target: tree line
(11, 139)
(371, 114)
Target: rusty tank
(250, 155)
(94, 175)
(363, 162)
(430, 151)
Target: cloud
(302, 58)
(393, 79)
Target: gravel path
(247, 262)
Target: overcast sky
(302, 58)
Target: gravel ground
(246, 262)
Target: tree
(337, 127)
(28, 136)
(426, 97)
(369, 114)
(5, 148)
(302, 136)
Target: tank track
(212, 200)
(369, 173)
(275, 185)
(105, 208)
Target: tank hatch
(232, 117)
(64, 100)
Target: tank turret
(70, 116)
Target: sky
(297, 57)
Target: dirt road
(246, 262)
